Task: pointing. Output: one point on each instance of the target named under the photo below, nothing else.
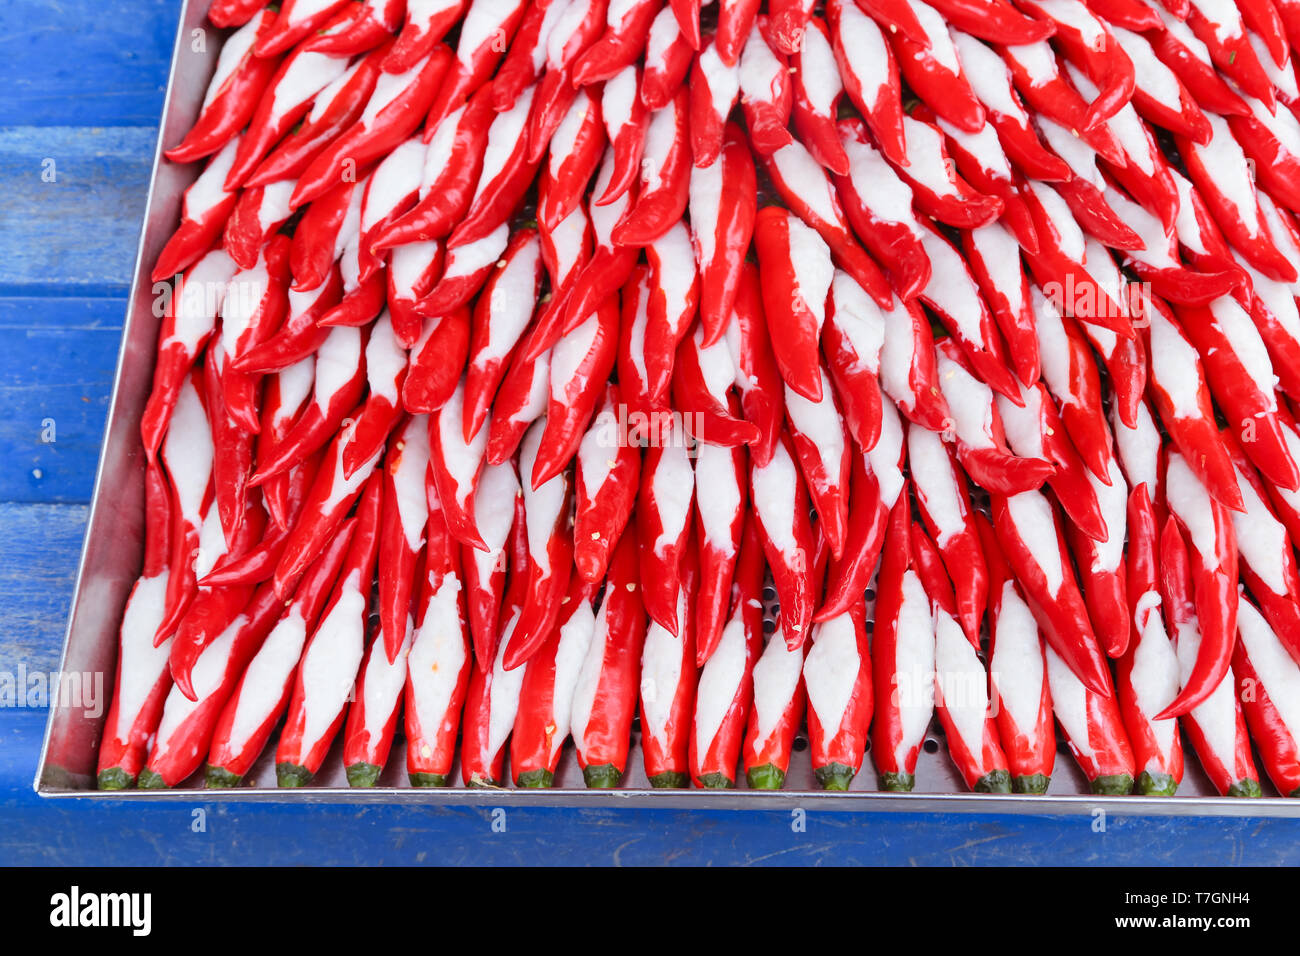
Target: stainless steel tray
(113, 550)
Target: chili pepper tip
(428, 779)
(834, 776)
(150, 780)
(290, 775)
(1113, 784)
(766, 777)
(536, 779)
(601, 777)
(1036, 783)
(1156, 784)
(1242, 788)
(219, 778)
(115, 778)
(363, 774)
(670, 780)
(717, 781)
(995, 781)
(898, 782)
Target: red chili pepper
(233, 93)
(186, 727)
(1179, 49)
(1214, 575)
(491, 706)
(944, 505)
(372, 718)
(303, 77)
(580, 365)
(1029, 533)
(1085, 40)
(954, 296)
(328, 227)
(777, 711)
(978, 431)
(765, 91)
(438, 666)
(1037, 77)
(839, 697)
(668, 683)
(665, 177)
(1125, 359)
(262, 695)
(735, 20)
(870, 75)
(726, 685)
(485, 36)
(604, 700)
(205, 207)
(780, 504)
(807, 191)
(501, 315)
(994, 262)
(286, 393)
(757, 377)
(1217, 727)
(663, 512)
(333, 654)
(1265, 562)
(961, 700)
(902, 659)
(391, 114)
(796, 277)
(723, 204)
(142, 679)
(232, 459)
(575, 152)
(1220, 173)
(548, 515)
(720, 499)
(817, 90)
(1273, 310)
(714, 89)
(625, 118)
(405, 514)
(427, 22)
(187, 325)
(498, 509)
(328, 502)
(1265, 675)
(521, 400)
(1130, 14)
(876, 483)
(546, 695)
(341, 354)
(627, 27)
(992, 20)
(702, 382)
(852, 340)
(412, 272)
(467, 269)
(1094, 728)
(335, 109)
(907, 367)
(259, 212)
(606, 482)
(506, 175)
(233, 13)
(526, 54)
(253, 309)
(879, 206)
(1159, 95)
(668, 58)
(1147, 674)
(358, 28)
(1101, 565)
(1018, 684)
(1242, 381)
(187, 454)
(1071, 376)
(932, 69)
(1230, 49)
(436, 362)
(455, 464)
(566, 249)
(295, 21)
(1182, 401)
(821, 446)
(390, 191)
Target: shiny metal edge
(56, 782)
(772, 800)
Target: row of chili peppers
(404, 308)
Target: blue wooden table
(83, 86)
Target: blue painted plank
(39, 549)
(86, 63)
(74, 201)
